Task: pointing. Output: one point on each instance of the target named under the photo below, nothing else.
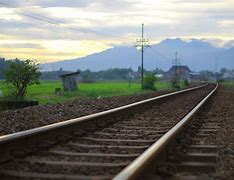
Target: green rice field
(229, 84)
(45, 92)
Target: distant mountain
(197, 54)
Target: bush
(186, 82)
(149, 81)
(220, 81)
(175, 84)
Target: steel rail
(141, 163)
(47, 128)
(22, 143)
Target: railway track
(123, 141)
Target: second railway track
(97, 146)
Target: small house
(182, 72)
(69, 81)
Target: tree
(223, 71)
(3, 66)
(21, 74)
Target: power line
(57, 22)
(45, 19)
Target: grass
(229, 84)
(44, 92)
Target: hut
(69, 81)
(183, 72)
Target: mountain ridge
(197, 54)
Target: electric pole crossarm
(141, 45)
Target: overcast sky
(88, 26)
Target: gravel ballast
(162, 114)
(219, 110)
(31, 117)
(222, 109)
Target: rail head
(47, 128)
(137, 167)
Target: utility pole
(216, 65)
(216, 68)
(176, 63)
(141, 44)
(129, 78)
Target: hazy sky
(88, 26)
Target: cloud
(101, 4)
(229, 44)
(46, 3)
(104, 23)
(21, 45)
(197, 1)
(216, 42)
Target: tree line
(86, 75)
(89, 76)
(113, 74)
(3, 66)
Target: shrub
(186, 82)
(149, 81)
(175, 84)
(221, 80)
